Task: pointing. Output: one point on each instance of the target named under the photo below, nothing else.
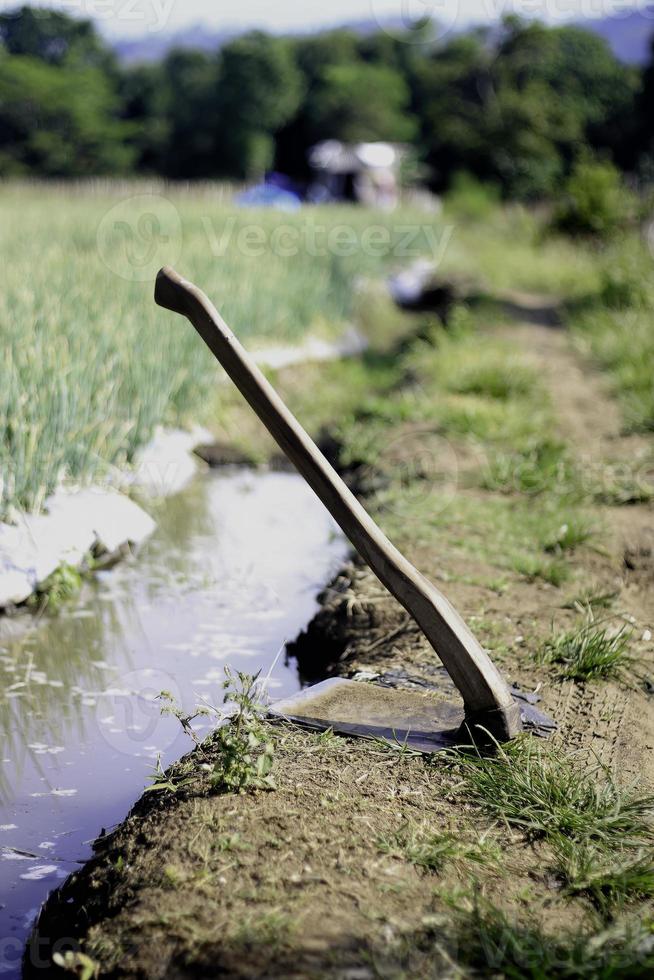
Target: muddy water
(230, 575)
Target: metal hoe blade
(420, 721)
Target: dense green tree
(58, 122)
(259, 89)
(453, 92)
(144, 100)
(55, 38)
(594, 92)
(519, 109)
(313, 57)
(187, 99)
(362, 102)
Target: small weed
(624, 491)
(540, 466)
(269, 931)
(589, 653)
(433, 851)
(554, 571)
(398, 747)
(173, 875)
(78, 963)
(244, 756)
(229, 842)
(592, 598)
(576, 531)
(170, 707)
(162, 782)
(63, 585)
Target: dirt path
(614, 723)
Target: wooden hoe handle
(487, 698)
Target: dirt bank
(369, 862)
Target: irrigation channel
(230, 575)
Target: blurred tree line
(516, 104)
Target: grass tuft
(610, 876)
(600, 835)
(595, 597)
(575, 532)
(533, 567)
(540, 466)
(64, 584)
(492, 944)
(589, 653)
(433, 851)
(543, 792)
(495, 377)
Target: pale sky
(130, 18)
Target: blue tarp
(269, 196)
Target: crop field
(91, 366)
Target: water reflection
(230, 575)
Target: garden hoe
(490, 707)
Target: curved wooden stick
(487, 698)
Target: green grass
(541, 465)
(600, 835)
(592, 597)
(610, 877)
(433, 851)
(496, 419)
(609, 293)
(623, 342)
(504, 532)
(493, 944)
(543, 792)
(508, 250)
(590, 652)
(551, 570)
(578, 530)
(615, 325)
(64, 584)
(467, 363)
(90, 365)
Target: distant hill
(154, 47)
(629, 36)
